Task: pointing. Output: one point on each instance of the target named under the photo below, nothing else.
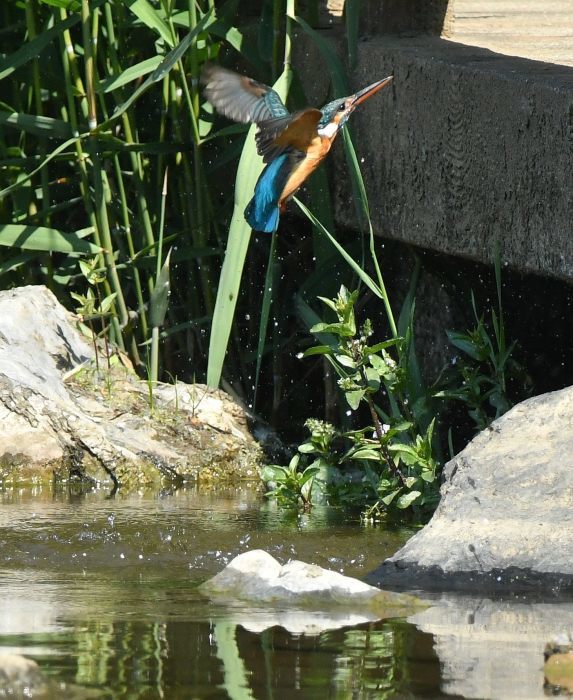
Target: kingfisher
(292, 145)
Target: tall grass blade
(265, 312)
(36, 124)
(362, 274)
(129, 74)
(337, 71)
(250, 167)
(352, 15)
(46, 239)
(145, 12)
(34, 48)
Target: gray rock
(505, 520)
(58, 413)
(257, 577)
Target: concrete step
(542, 31)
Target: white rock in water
(257, 577)
(17, 671)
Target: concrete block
(469, 147)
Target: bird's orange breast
(315, 153)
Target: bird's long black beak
(367, 92)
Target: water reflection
(493, 648)
(102, 594)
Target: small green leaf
(366, 453)
(328, 302)
(407, 499)
(428, 476)
(307, 448)
(345, 361)
(373, 378)
(306, 489)
(293, 464)
(308, 473)
(160, 296)
(381, 346)
(342, 329)
(387, 500)
(273, 472)
(464, 342)
(318, 350)
(107, 303)
(354, 397)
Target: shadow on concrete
(406, 17)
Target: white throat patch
(328, 131)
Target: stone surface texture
(58, 413)
(505, 520)
(406, 16)
(469, 147)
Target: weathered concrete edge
(470, 147)
(400, 576)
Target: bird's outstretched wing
(240, 98)
(291, 132)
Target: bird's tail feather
(262, 212)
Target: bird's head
(336, 113)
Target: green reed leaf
(147, 14)
(250, 167)
(47, 239)
(37, 125)
(362, 274)
(129, 74)
(163, 68)
(337, 70)
(34, 48)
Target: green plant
(90, 306)
(289, 485)
(393, 448)
(483, 376)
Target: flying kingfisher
(292, 145)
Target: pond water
(101, 593)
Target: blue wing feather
(262, 212)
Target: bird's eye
(342, 107)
